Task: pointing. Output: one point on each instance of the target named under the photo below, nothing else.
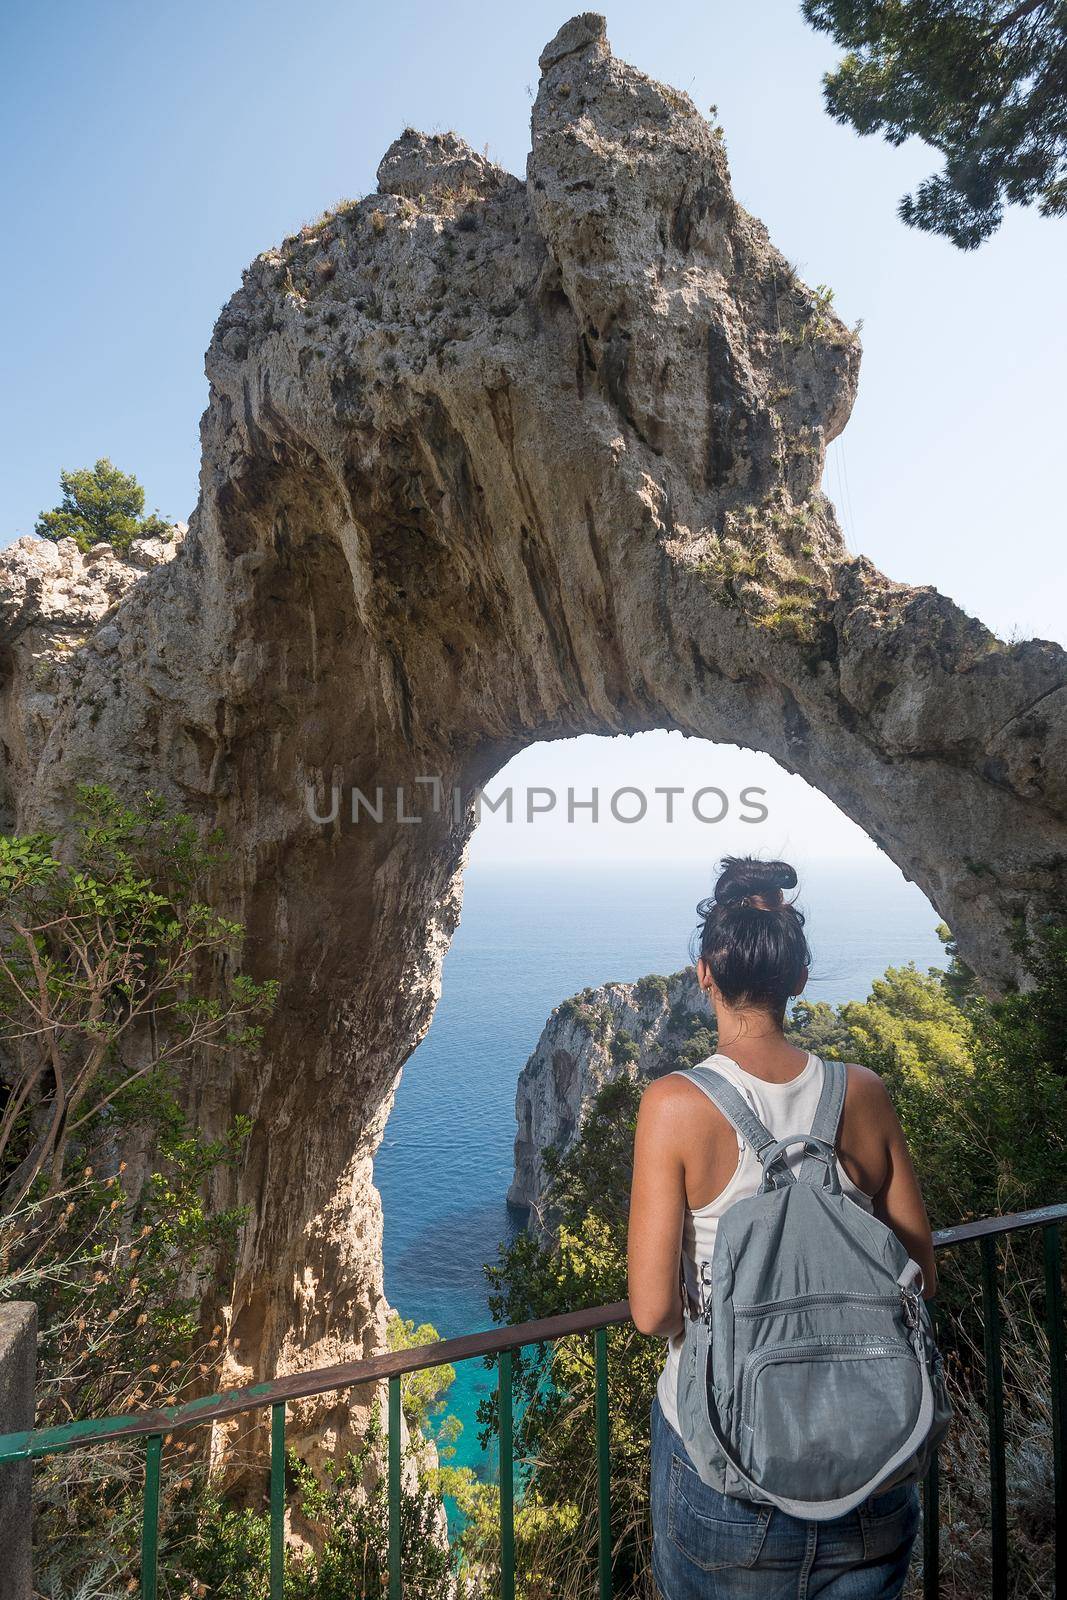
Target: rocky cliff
(488, 460)
(637, 1030)
(56, 614)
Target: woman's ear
(707, 982)
(803, 984)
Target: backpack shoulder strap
(733, 1105)
(827, 1118)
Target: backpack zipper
(859, 1346)
(766, 1308)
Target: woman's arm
(657, 1206)
(899, 1202)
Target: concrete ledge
(18, 1378)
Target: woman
(689, 1166)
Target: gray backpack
(809, 1377)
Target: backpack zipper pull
(704, 1292)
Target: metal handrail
(503, 1342)
(398, 1363)
(320, 1380)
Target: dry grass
(965, 1542)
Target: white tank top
(783, 1108)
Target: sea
(529, 936)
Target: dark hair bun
(743, 880)
(751, 937)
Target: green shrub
(230, 1550)
(100, 505)
(649, 990)
(624, 1048)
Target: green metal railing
(1048, 1219)
(503, 1342)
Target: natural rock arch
(487, 462)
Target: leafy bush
(624, 1048)
(230, 1554)
(422, 1393)
(980, 1086)
(97, 990)
(109, 954)
(650, 989)
(583, 1265)
(115, 1272)
(701, 1043)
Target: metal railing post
(932, 1516)
(395, 1578)
(1058, 1396)
(277, 1501)
(603, 1464)
(994, 1377)
(507, 1477)
(150, 1518)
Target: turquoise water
(529, 937)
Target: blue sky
(153, 150)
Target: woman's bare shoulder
(671, 1088)
(866, 1092)
(674, 1095)
(866, 1076)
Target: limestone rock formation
(53, 602)
(638, 1030)
(487, 461)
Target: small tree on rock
(100, 505)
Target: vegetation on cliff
(105, 952)
(100, 505)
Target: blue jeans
(709, 1546)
